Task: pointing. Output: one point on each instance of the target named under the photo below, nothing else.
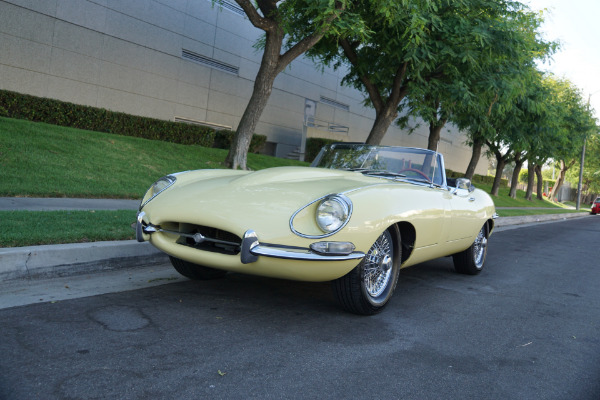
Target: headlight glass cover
(157, 188)
(332, 213)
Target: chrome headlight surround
(331, 215)
(157, 188)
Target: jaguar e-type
(357, 216)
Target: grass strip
(32, 228)
(43, 160)
(534, 211)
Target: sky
(576, 25)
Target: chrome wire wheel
(479, 249)
(377, 269)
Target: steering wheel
(414, 170)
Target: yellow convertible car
(355, 217)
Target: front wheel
(471, 260)
(369, 286)
(195, 271)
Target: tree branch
(255, 18)
(372, 90)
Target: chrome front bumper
(251, 248)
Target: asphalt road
(527, 327)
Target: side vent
(209, 62)
(334, 103)
(231, 7)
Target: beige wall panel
(162, 64)
(226, 57)
(194, 73)
(74, 66)
(201, 31)
(220, 118)
(203, 10)
(226, 104)
(192, 95)
(165, 16)
(231, 84)
(133, 8)
(186, 111)
(163, 40)
(24, 54)
(124, 53)
(248, 69)
(179, 5)
(77, 39)
(287, 102)
(22, 23)
(114, 76)
(23, 81)
(72, 91)
(47, 7)
(85, 13)
(126, 28)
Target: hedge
(56, 112)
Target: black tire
(358, 294)
(471, 260)
(195, 271)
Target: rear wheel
(471, 260)
(367, 288)
(195, 271)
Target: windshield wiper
(383, 173)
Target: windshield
(390, 162)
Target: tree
(576, 121)
(303, 23)
(497, 44)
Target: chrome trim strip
(324, 235)
(139, 226)
(171, 178)
(251, 249)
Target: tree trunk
(561, 178)
(530, 181)
(514, 182)
(540, 182)
(383, 120)
(475, 156)
(263, 86)
(500, 164)
(435, 130)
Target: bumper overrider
(251, 249)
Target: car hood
(243, 200)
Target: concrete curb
(40, 262)
(529, 219)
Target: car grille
(232, 247)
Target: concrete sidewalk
(40, 262)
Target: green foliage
(477, 179)
(313, 146)
(37, 109)
(224, 138)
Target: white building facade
(182, 60)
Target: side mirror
(465, 184)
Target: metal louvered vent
(209, 62)
(231, 7)
(334, 103)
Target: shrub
(313, 146)
(224, 138)
(38, 109)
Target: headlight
(157, 188)
(333, 213)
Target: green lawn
(42, 160)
